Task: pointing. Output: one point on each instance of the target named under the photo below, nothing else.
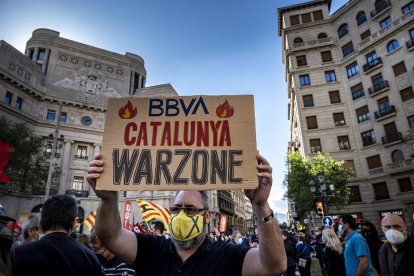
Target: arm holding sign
(270, 257)
(108, 223)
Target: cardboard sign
(179, 143)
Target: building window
(19, 103)
(407, 94)
(352, 69)
(374, 162)
(357, 91)
(298, 40)
(355, 194)
(368, 138)
(372, 58)
(317, 15)
(349, 165)
(304, 80)
(343, 30)
(294, 20)
(343, 143)
(82, 153)
(330, 76)
(411, 34)
(306, 17)
(307, 100)
(392, 45)
(365, 34)
(381, 191)
(385, 22)
(8, 98)
(347, 49)
(408, 7)
(378, 82)
(339, 119)
(63, 116)
(363, 114)
(41, 54)
(397, 156)
(411, 121)
(326, 56)
(315, 145)
(301, 60)
(361, 18)
(86, 121)
(391, 133)
(51, 115)
(322, 36)
(311, 122)
(77, 183)
(334, 97)
(48, 150)
(399, 68)
(384, 106)
(405, 185)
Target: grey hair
(204, 197)
(234, 234)
(31, 222)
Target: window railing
(410, 43)
(384, 111)
(372, 64)
(312, 43)
(401, 166)
(391, 138)
(358, 94)
(77, 193)
(385, 4)
(376, 171)
(83, 157)
(377, 87)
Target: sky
(211, 47)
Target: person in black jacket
(291, 253)
(332, 255)
(318, 244)
(369, 232)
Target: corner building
(350, 81)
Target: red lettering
(155, 126)
(129, 141)
(225, 134)
(166, 134)
(202, 134)
(142, 135)
(214, 128)
(177, 142)
(189, 139)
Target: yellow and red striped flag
(90, 221)
(151, 211)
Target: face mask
(239, 241)
(395, 237)
(41, 236)
(184, 228)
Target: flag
(5, 149)
(137, 228)
(127, 214)
(90, 221)
(151, 211)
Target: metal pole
(52, 157)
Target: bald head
(393, 222)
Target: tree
(28, 168)
(302, 169)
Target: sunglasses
(189, 211)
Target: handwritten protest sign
(175, 143)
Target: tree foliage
(27, 168)
(302, 169)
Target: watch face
(86, 121)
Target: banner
(152, 211)
(179, 143)
(90, 221)
(223, 223)
(127, 213)
(137, 228)
(5, 149)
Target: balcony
(358, 94)
(313, 43)
(82, 157)
(410, 44)
(400, 166)
(378, 88)
(376, 171)
(380, 8)
(77, 193)
(394, 137)
(380, 114)
(372, 64)
(225, 202)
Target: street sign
(327, 221)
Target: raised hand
(94, 170)
(260, 195)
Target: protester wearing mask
(397, 256)
(236, 237)
(318, 244)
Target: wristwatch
(267, 218)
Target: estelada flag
(5, 149)
(151, 210)
(90, 221)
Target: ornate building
(350, 87)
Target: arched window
(397, 156)
(343, 30)
(392, 45)
(361, 18)
(298, 40)
(322, 35)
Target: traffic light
(319, 209)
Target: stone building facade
(350, 85)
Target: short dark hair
(158, 225)
(347, 218)
(58, 213)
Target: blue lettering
(156, 104)
(171, 104)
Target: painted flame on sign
(128, 111)
(225, 110)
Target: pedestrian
(397, 256)
(317, 243)
(56, 253)
(332, 254)
(189, 251)
(16, 230)
(254, 238)
(304, 250)
(291, 253)
(157, 228)
(6, 241)
(30, 230)
(357, 257)
(369, 232)
(84, 239)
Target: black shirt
(398, 263)
(55, 254)
(157, 256)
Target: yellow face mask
(184, 228)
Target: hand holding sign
(94, 170)
(260, 195)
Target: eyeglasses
(189, 211)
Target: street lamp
(326, 191)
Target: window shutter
(355, 194)
(326, 56)
(374, 162)
(407, 94)
(306, 17)
(311, 122)
(334, 97)
(317, 15)
(357, 87)
(294, 20)
(365, 34)
(399, 69)
(362, 110)
(405, 184)
(381, 190)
